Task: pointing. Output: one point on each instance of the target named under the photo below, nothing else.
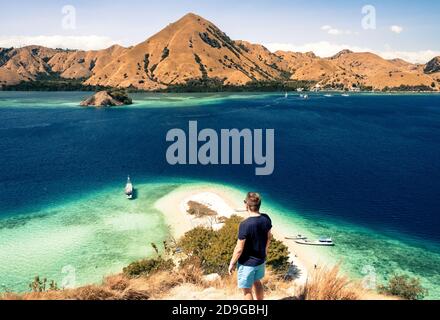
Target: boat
(298, 237)
(345, 95)
(325, 242)
(129, 190)
(287, 95)
(306, 96)
(328, 95)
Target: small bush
(120, 95)
(278, 257)
(40, 285)
(213, 249)
(147, 267)
(404, 287)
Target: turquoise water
(97, 235)
(363, 170)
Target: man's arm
(269, 238)
(237, 254)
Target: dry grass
(188, 283)
(329, 284)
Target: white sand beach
(226, 203)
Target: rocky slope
(194, 48)
(107, 99)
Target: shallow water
(362, 169)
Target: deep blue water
(373, 160)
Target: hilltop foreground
(194, 267)
(193, 53)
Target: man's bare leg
(248, 294)
(259, 290)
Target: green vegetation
(243, 47)
(147, 267)
(201, 66)
(4, 55)
(53, 82)
(120, 95)
(404, 287)
(211, 42)
(217, 85)
(146, 62)
(40, 285)
(165, 54)
(406, 88)
(213, 249)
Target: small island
(107, 98)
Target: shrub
(40, 285)
(213, 249)
(212, 42)
(120, 95)
(197, 241)
(147, 267)
(278, 257)
(219, 254)
(405, 287)
(165, 54)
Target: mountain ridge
(194, 49)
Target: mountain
(191, 48)
(433, 66)
(195, 50)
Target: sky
(394, 29)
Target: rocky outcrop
(107, 99)
(433, 66)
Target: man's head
(253, 202)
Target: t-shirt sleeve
(269, 224)
(242, 232)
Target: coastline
(226, 202)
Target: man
(250, 253)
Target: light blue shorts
(247, 276)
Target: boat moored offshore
(326, 242)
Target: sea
(363, 169)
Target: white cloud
(90, 42)
(422, 56)
(328, 49)
(336, 32)
(396, 29)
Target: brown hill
(195, 49)
(191, 48)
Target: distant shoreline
(223, 90)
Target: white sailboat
(129, 189)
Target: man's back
(255, 231)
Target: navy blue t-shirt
(255, 231)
